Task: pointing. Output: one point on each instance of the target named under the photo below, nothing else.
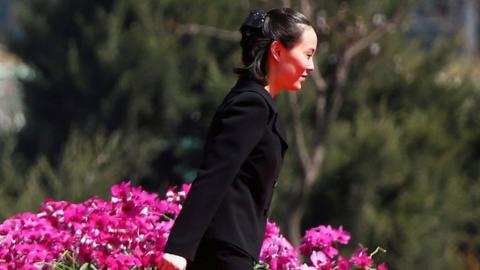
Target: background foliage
(125, 89)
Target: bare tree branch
(365, 42)
(319, 80)
(298, 131)
(351, 52)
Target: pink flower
(361, 259)
(343, 263)
(320, 260)
(323, 238)
(185, 190)
(382, 266)
(307, 267)
(272, 229)
(341, 236)
(276, 251)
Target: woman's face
(293, 65)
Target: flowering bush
(130, 232)
(319, 244)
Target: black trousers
(220, 255)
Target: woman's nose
(311, 65)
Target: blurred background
(384, 138)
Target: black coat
(243, 154)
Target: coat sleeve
(232, 137)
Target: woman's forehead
(308, 39)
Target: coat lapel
(245, 84)
(280, 131)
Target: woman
(222, 223)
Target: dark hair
(259, 30)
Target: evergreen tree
(125, 90)
(123, 67)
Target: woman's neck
(272, 89)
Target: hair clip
(255, 19)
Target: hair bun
(254, 21)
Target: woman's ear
(276, 50)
